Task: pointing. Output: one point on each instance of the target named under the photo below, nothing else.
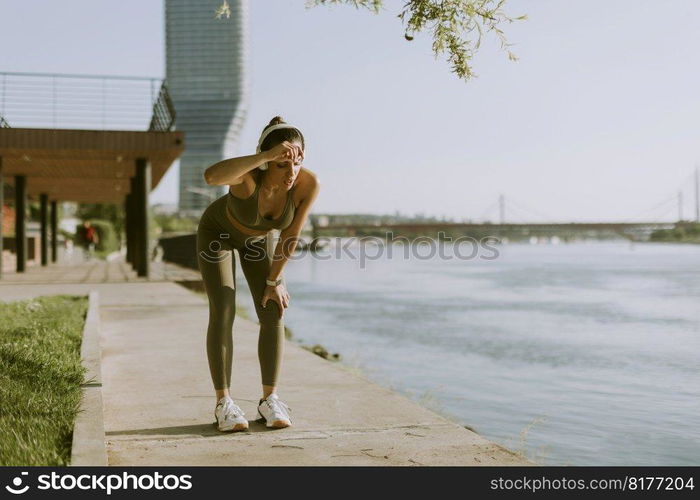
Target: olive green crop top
(246, 212)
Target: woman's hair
(280, 135)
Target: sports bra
(246, 212)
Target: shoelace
(230, 409)
(279, 407)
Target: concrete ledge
(89, 430)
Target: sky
(597, 120)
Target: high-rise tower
(206, 65)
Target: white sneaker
(229, 415)
(274, 411)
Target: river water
(575, 354)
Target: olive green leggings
(216, 240)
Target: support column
(133, 233)
(21, 222)
(126, 225)
(54, 230)
(44, 225)
(143, 188)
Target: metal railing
(94, 102)
(163, 116)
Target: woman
(268, 190)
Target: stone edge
(88, 446)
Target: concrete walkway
(159, 402)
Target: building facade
(206, 68)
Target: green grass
(40, 377)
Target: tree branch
(452, 23)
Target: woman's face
(285, 172)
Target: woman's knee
(270, 314)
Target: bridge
(617, 227)
(632, 228)
(636, 231)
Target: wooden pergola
(90, 166)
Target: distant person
(267, 190)
(90, 239)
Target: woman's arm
(289, 237)
(231, 171)
(286, 245)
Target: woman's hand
(285, 151)
(278, 294)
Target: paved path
(159, 402)
(72, 268)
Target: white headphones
(265, 134)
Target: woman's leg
(256, 265)
(215, 258)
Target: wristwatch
(276, 282)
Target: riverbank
(358, 422)
(682, 232)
